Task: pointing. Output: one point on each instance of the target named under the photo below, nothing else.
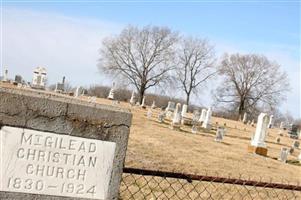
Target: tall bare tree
(251, 81)
(196, 58)
(143, 56)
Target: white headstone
(168, 106)
(5, 75)
(271, 122)
(207, 122)
(203, 115)
(143, 102)
(281, 125)
(283, 154)
(153, 105)
(78, 91)
(132, 100)
(245, 118)
(261, 129)
(184, 110)
(39, 77)
(111, 94)
(177, 114)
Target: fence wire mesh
(151, 185)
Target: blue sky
(51, 30)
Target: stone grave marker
(176, 121)
(271, 122)
(153, 105)
(132, 100)
(245, 118)
(258, 145)
(143, 103)
(283, 154)
(296, 144)
(219, 134)
(203, 115)
(55, 148)
(18, 79)
(207, 122)
(149, 113)
(112, 92)
(39, 78)
(161, 116)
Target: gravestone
(18, 79)
(194, 129)
(281, 125)
(207, 122)
(245, 118)
(170, 106)
(4, 78)
(258, 145)
(132, 100)
(203, 115)
(143, 103)
(153, 105)
(78, 91)
(176, 121)
(196, 115)
(271, 122)
(296, 144)
(56, 148)
(253, 123)
(184, 110)
(59, 87)
(39, 78)
(283, 154)
(219, 134)
(161, 116)
(112, 92)
(149, 114)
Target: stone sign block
(62, 165)
(58, 147)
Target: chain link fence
(152, 185)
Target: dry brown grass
(153, 145)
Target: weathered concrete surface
(55, 113)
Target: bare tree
(196, 58)
(143, 56)
(251, 82)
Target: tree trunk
(187, 98)
(141, 94)
(241, 109)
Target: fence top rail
(192, 177)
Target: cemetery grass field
(153, 145)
